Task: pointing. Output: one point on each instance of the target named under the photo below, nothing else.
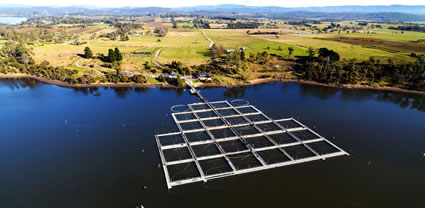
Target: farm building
(204, 76)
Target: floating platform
(220, 139)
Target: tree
(111, 56)
(124, 38)
(311, 52)
(147, 66)
(242, 55)
(217, 51)
(325, 53)
(88, 53)
(118, 55)
(290, 51)
(180, 81)
(17, 51)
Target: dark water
(72, 148)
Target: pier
(220, 139)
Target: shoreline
(347, 86)
(67, 85)
(208, 85)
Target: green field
(234, 39)
(185, 24)
(190, 46)
(188, 56)
(346, 50)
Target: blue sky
(182, 3)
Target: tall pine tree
(111, 56)
(118, 55)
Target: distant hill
(377, 13)
(419, 9)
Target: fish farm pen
(220, 139)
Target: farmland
(264, 49)
(188, 45)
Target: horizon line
(112, 7)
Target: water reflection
(13, 84)
(411, 101)
(404, 100)
(180, 91)
(122, 92)
(141, 89)
(318, 91)
(236, 92)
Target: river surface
(12, 20)
(86, 148)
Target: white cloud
(181, 3)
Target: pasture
(189, 46)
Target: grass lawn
(188, 56)
(394, 35)
(346, 51)
(223, 79)
(233, 39)
(185, 24)
(152, 80)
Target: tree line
(409, 27)
(327, 69)
(17, 58)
